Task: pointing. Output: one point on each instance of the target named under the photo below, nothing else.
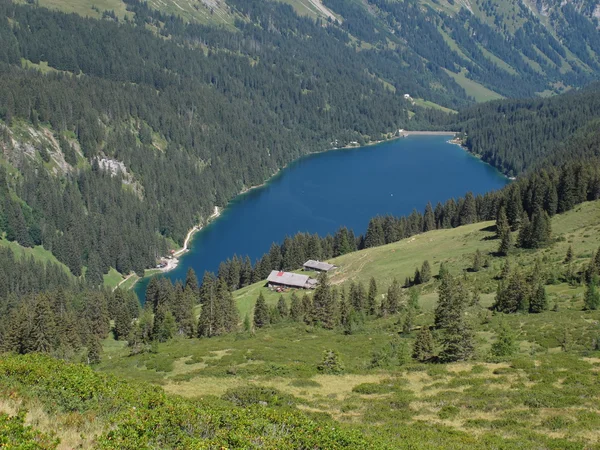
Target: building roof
(288, 278)
(318, 265)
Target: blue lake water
(322, 192)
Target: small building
(318, 266)
(279, 278)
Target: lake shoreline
(173, 262)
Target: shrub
(15, 434)
(257, 395)
(448, 412)
(371, 388)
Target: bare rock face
(113, 166)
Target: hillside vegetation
(542, 393)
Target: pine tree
(425, 272)
(524, 238)
(505, 272)
(307, 307)
(43, 327)
(428, 218)
(296, 311)
(512, 294)
(468, 211)
(324, 303)
(452, 301)
(540, 231)
(413, 299)
(393, 298)
(539, 301)
(417, 278)
(569, 255)
(372, 297)
(94, 350)
(514, 207)
(457, 342)
(423, 347)
(123, 319)
(505, 344)
(505, 242)
(247, 323)
(477, 261)
(502, 224)
(282, 307)
(375, 235)
(592, 295)
(331, 363)
(409, 319)
(261, 312)
(191, 281)
(358, 297)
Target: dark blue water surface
(322, 192)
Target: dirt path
(322, 8)
(123, 280)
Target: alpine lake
(321, 192)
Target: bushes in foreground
(141, 416)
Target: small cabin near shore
(278, 279)
(318, 266)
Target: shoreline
(173, 262)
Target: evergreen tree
(514, 206)
(261, 312)
(423, 347)
(191, 281)
(425, 273)
(413, 299)
(282, 307)
(324, 303)
(505, 242)
(505, 272)
(569, 255)
(512, 294)
(94, 350)
(296, 310)
(477, 261)
(43, 327)
(457, 342)
(524, 238)
(123, 319)
(358, 297)
(592, 295)
(428, 218)
(375, 235)
(505, 344)
(452, 302)
(407, 324)
(502, 224)
(468, 210)
(307, 308)
(539, 301)
(372, 297)
(393, 298)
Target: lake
(321, 192)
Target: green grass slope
(545, 396)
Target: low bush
(257, 395)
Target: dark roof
(318, 265)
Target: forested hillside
(517, 135)
(119, 149)
(122, 130)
